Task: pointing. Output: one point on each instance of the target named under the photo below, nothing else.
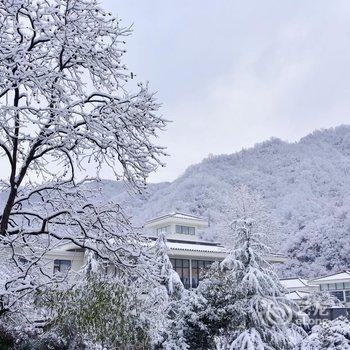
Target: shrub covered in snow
(329, 335)
(101, 310)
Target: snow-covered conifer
(263, 315)
(162, 300)
(329, 335)
(168, 276)
(241, 304)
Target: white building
(298, 288)
(337, 284)
(188, 252)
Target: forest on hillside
(305, 186)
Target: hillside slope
(306, 185)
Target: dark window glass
(347, 296)
(338, 295)
(182, 267)
(61, 265)
(207, 264)
(199, 268)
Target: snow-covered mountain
(306, 185)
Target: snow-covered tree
(193, 323)
(169, 278)
(162, 300)
(329, 335)
(316, 302)
(242, 203)
(262, 315)
(65, 106)
(240, 304)
(100, 309)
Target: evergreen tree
(240, 304)
(329, 335)
(168, 277)
(262, 314)
(166, 297)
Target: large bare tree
(65, 103)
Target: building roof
(297, 295)
(333, 277)
(195, 247)
(294, 282)
(213, 248)
(176, 215)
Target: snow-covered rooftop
(297, 295)
(344, 275)
(294, 282)
(176, 215)
(213, 248)
(196, 247)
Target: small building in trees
(189, 253)
(298, 288)
(298, 285)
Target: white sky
(233, 73)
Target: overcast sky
(233, 73)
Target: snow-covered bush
(202, 314)
(316, 302)
(329, 335)
(100, 310)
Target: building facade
(190, 255)
(337, 284)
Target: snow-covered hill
(305, 184)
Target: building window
(347, 285)
(339, 295)
(61, 266)
(323, 287)
(162, 230)
(185, 230)
(199, 268)
(182, 267)
(339, 286)
(347, 296)
(331, 286)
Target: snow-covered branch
(64, 103)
